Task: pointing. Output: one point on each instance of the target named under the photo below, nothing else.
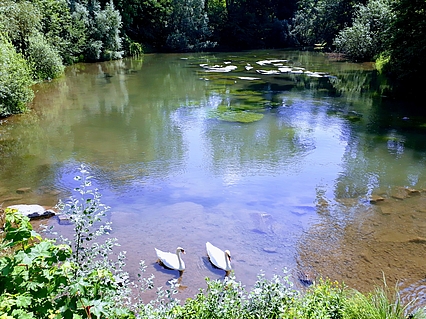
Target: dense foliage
(319, 21)
(15, 79)
(79, 278)
(45, 278)
(368, 36)
(407, 47)
(45, 35)
(189, 25)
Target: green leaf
(23, 301)
(33, 286)
(41, 250)
(21, 314)
(98, 308)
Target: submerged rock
(399, 193)
(24, 190)
(270, 250)
(412, 191)
(33, 211)
(418, 240)
(376, 198)
(262, 223)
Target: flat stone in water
(33, 211)
(375, 198)
(399, 193)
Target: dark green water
(278, 169)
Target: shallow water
(290, 190)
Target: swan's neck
(228, 265)
(179, 259)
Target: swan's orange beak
(183, 251)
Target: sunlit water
(290, 190)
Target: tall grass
(383, 303)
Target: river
(286, 158)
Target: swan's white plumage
(221, 259)
(172, 260)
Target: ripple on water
(413, 295)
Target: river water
(274, 155)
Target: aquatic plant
(240, 116)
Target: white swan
(171, 260)
(219, 258)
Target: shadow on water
(174, 274)
(216, 271)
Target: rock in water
(33, 211)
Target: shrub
(356, 42)
(271, 298)
(103, 31)
(324, 300)
(43, 279)
(381, 61)
(15, 80)
(43, 58)
(382, 303)
(135, 49)
(319, 21)
(368, 36)
(407, 49)
(190, 27)
(60, 31)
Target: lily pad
(241, 117)
(246, 107)
(236, 116)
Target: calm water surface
(291, 189)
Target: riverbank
(386, 238)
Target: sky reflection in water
(175, 175)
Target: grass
(275, 298)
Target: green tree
(15, 80)
(146, 21)
(407, 48)
(319, 21)
(60, 30)
(190, 26)
(18, 21)
(369, 34)
(101, 29)
(217, 13)
(44, 59)
(24, 24)
(256, 23)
